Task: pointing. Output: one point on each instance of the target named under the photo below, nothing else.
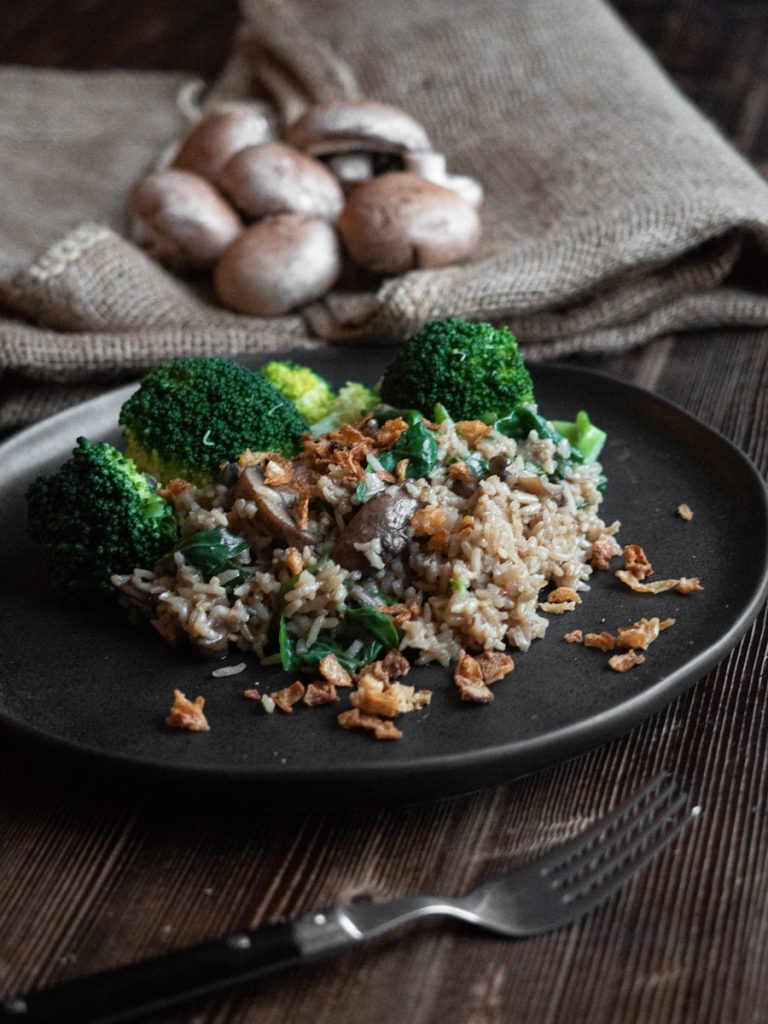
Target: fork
(554, 890)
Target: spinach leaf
(418, 444)
(523, 419)
(212, 552)
(475, 463)
(374, 629)
(287, 644)
(370, 624)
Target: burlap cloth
(615, 212)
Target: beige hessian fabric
(614, 212)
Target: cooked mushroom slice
(498, 465)
(210, 649)
(131, 596)
(275, 178)
(398, 221)
(217, 136)
(274, 506)
(539, 485)
(384, 517)
(280, 263)
(346, 126)
(182, 219)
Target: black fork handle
(124, 993)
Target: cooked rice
(475, 582)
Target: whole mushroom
(360, 138)
(349, 126)
(182, 218)
(398, 221)
(278, 264)
(219, 135)
(276, 178)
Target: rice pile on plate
(466, 570)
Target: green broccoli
(351, 404)
(310, 393)
(97, 515)
(190, 416)
(474, 370)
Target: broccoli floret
(474, 370)
(98, 515)
(310, 393)
(351, 404)
(190, 416)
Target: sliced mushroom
(219, 135)
(398, 221)
(275, 178)
(210, 649)
(274, 507)
(539, 486)
(183, 220)
(278, 264)
(386, 517)
(346, 126)
(498, 465)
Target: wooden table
(89, 879)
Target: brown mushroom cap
(278, 264)
(398, 221)
(183, 219)
(275, 178)
(344, 126)
(216, 137)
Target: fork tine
(603, 886)
(660, 785)
(610, 837)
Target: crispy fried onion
(333, 671)
(640, 634)
(187, 714)
(382, 728)
(320, 693)
(603, 550)
(347, 447)
(473, 676)
(561, 599)
(376, 695)
(390, 432)
(683, 585)
(626, 661)
(288, 696)
(636, 562)
(473, 430)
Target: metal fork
(554, 890)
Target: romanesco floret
(190, 416)
(96, 516)
(350, 405)
(310, 393)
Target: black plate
(92, 685)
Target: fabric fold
(614, 210)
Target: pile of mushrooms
(275, 220)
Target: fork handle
(125, 993)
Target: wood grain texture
(91, 878)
